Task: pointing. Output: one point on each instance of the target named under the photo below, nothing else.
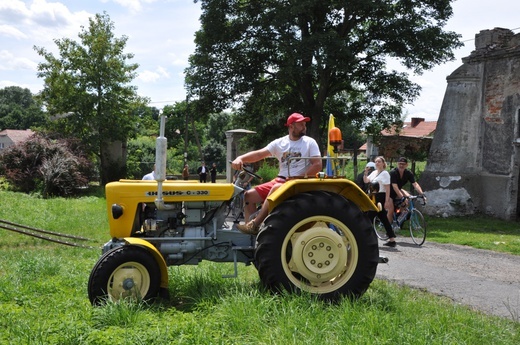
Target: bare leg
(251, 198)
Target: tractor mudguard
(344, 187)
(156, 254)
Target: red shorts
(264, 188)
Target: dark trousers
(380, 198)
(202, 177)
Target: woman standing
(381, 177)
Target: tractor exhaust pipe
(161, 147)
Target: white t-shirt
(382, 178)
(150, 176)
(283, 148)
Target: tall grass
(43, 299)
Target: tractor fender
(155, 253)
(341, 186)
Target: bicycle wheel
(379, 229)
(417, 227)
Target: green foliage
(215, 152)
(141, 157)
(19, 109)
(148, 124)
(49, 167)
(177, 130)
(217, 126)
(267, 170)
(90, 83)
(316, 57)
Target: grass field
(43, 294)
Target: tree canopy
(316, 57)
(19, 109)
(90, 83)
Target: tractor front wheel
(124, 272)
(317, 242)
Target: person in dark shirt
(213, 173)
(398, 178)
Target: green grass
(476, 231)
(43, 295)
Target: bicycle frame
(415, 217)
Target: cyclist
(380, 179)
(398, 178)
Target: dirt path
(481, 279)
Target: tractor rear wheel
(317, 242)
(124, 272)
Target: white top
(382, 178)
(284, 148)
(150, 176)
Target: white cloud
(13, 10)
(9, 62)
(11, 31)
(50, 14)
(178, 61)
(148, 76)
(132, 5)
(163, 72)
(35, 88)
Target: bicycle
(401, 215)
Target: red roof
(419, 129)
(416, 128)
(17, 136)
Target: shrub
(50, 167)
(267, 171)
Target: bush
(49, 167)
(267, 171)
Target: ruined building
(475, 154)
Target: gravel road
(481, 279)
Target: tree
(316, 57)
(90, 83)
(19, 109)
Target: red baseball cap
(295, 117)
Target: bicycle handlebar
(418, 197)
(411, 197)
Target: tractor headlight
(117, 211)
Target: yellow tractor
(318, 236)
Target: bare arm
(418, 188)
(250, 157)
(315, 166)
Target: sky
(161, 33)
